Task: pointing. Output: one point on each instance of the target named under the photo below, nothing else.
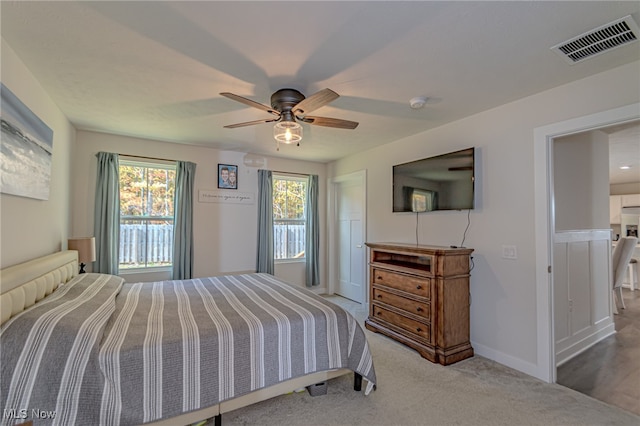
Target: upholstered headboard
(24, 284)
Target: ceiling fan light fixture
(287, 132)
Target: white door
(351, 251)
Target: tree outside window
(289, 229)
(146, 214)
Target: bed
(91, 349)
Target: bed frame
(23, 285)
(283, 388)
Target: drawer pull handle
(419, 287)
(379, 277)
(379, 296)
(419, 330)
(419, 309)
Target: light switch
(509, 252)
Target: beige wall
(224, 234)
(30, 227)
(625, 188)
(581, 181)
(503, 291)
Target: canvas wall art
(27, 148)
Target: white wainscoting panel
(583, 310)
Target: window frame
(148, 164)
(295, 178)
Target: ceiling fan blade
(315, 101)
(250, 123)
(249, 102)
(330, 122)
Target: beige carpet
(413, 391)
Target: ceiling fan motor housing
(285, 99)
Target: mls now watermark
(23, 413)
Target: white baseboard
(516, 363)
(583, 344)
(536, 370)
(318, 289)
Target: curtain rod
(147, 158)
(290, 173)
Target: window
(289, 229)
(422, 200)
(146, 214)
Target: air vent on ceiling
(599, 40)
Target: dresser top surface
(419, 248)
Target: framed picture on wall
(27, 150)
(227, 176)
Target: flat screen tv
(443, 182)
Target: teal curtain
(106, 222)
(183, 221)
(264, 262)
(312, 242)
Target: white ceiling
(624, 150)
(155, 69)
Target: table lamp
(86, 247)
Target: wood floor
(610, 370)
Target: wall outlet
(509, 252)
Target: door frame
(545, 225)
(358, 177)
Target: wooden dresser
(419, 296)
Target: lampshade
(86, 247)
(287, 132)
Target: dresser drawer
(418, 308)
(414, 285)
(408, 324)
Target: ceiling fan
(289, 107)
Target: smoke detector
(599, 40)
(418, 102)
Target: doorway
(604, 366)
(348, 254)
(544, 221)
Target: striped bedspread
(49, 354)
(149, 351)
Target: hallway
(610, 370)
